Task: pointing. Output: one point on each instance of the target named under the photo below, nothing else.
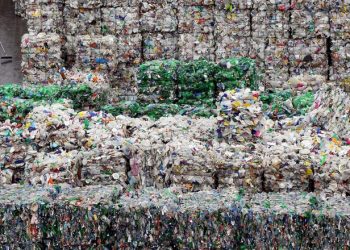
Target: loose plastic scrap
(197, 2)
(45, 17)
(50, 168)
(303, 83)
(190, 165)
(196, 19)
(166, 217)
(18, 101)
(118, 3)
(16, 109)
(41, 58)
(302, 103)
(157, 81)
(231, 46)
(12, 154)
(340, 29)
(308, 56)
(120, 20)
(82, 21)
(308, 24)
(330, 111)
(270, 23)
(280, 5)
(232, 22)
(194, 46)
(333, 173)
(124, 79)
(96, 53)
(236, 73)
(276, 62)
(340, 53)
(257, 52)
(161, 144)
(198, 111)
(159, 46)
(277, 104)
(233, 5)
(240, 116)
(158, 17)
(159, 110)
(314, 5)
(129, 49)
(196, 82)
(294, 173)
(239, 166)
(91, 4)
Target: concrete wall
(11, 29)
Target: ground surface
(11, 30)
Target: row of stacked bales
(307, 151)
(98, 216)
(54, 144)
(196, 82)
(164, 87)
(286, 38)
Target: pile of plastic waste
(188, 152)
(41, 58)
(245, 146)
(286, 38)
(195, 82)
(100, 216)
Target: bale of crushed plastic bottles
(101, 216)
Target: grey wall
(12, 28)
